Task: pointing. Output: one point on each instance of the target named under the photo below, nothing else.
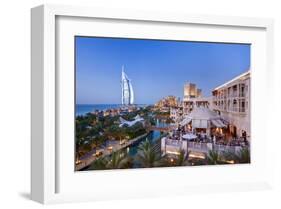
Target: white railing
(205, 147)
(198, 146)
(224, 148)
(173, 142)
(170, 145)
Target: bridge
(162, 129)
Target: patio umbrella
(189, 136)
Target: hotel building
(169, 101)
(193, 97)
(127, 89)
(232, 101)
(191, 91)
(176, 114)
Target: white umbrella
(189, 136)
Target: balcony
(234, 94)
(242, 109)
(242, 94)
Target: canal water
(152, 137)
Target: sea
(83, 109)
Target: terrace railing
(203, 147)
(224, 148)
(198, 146)
(173, 142)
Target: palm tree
(99, 164)
(82, 148)
(78, 144)
(119, 160)
(115, 132)
(243, 156)
(179, 160)
(182, 159)
(213, 158)
(147, 156)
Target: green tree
(119, 160)
(182, 159)
(115, 132)
(178, 160)
(82, 149)
(99, 164)
(213, 158)
(243, 156)
(78, 144)
(147, 156)
(98, 140)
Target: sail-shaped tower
(127, 89)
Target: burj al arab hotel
(127, 89)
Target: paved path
(87, 159)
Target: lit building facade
(169, 101)
(192, 96)
(176, 114)
(189, 105)
(191, 91)
(232, 101)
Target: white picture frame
(52, 182)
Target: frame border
(43, 80)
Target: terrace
(170, 145)
(201, 132)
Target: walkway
(86, 161)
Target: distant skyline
(157, 68)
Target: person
(214, 139)
(244, 136)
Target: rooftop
(241, 76)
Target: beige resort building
(191, 91)
(193, 98)
(232, 101)
(220, 122)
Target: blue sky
(157, 68)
